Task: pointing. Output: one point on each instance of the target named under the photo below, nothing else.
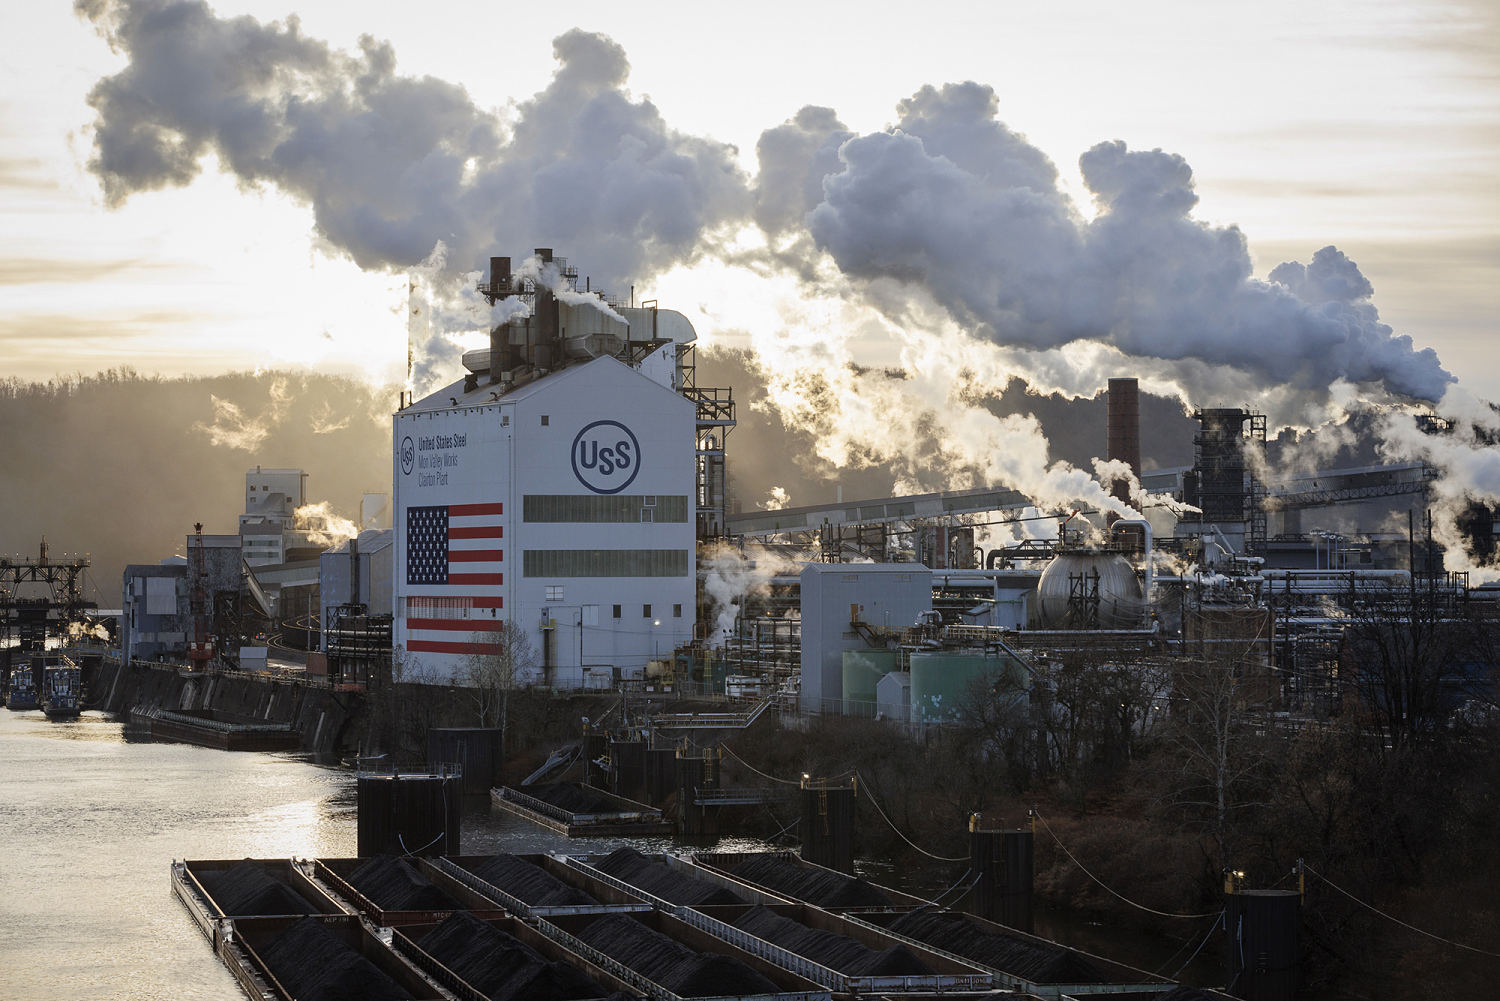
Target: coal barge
(762, 926)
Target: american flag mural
(454, 552)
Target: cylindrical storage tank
(1065, 593)
(863, 670)
(942, 683)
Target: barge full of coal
(753, 927)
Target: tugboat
(62, 688)
(22, 693)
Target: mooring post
(412, 814)
(1003, 868)
(1261, 948)
(828, 824)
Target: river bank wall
(391, 719)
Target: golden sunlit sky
(1372, 126)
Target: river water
(90, 821)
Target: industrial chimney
(1123, 432)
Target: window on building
(604, 508)
(546, 420)
(676, 611)
(554, 592)
(617, 611)
(589, 615)
(553, 564)
(645, 611)
(647, 514)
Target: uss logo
(606, 457)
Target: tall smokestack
(1123, 432)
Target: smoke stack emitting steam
(947, 240)
(1123, 431)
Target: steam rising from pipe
(325, 528)
(730, 577)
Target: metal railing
(833, 978)
(569, 817)
(619, 884)
(221, 726)
(376, 767)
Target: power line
(730, 751)
(1392, 917)
(967, 873)
(870, 796)
(1132, 903)
(1212, 925)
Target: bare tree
(506, 660)
(1221, 748)
(1403, 654)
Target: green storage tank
(942, 683)
(863, 670)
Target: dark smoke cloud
(953, 204)
(391, 165)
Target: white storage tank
(1073, 572)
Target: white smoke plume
(1468, 462)
(325, 527)
(953, 206)
(943, 246)
(232, 427)
(443, 309)
(776, 500)
(550, 275)
(730, 577)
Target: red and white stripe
(449, 619)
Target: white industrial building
(843, 605)
(555, 487)
(268, 528)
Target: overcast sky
(1370, 126)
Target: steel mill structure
(548, 505)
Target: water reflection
(91, 818)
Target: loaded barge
(210, 728)
(755, 927)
